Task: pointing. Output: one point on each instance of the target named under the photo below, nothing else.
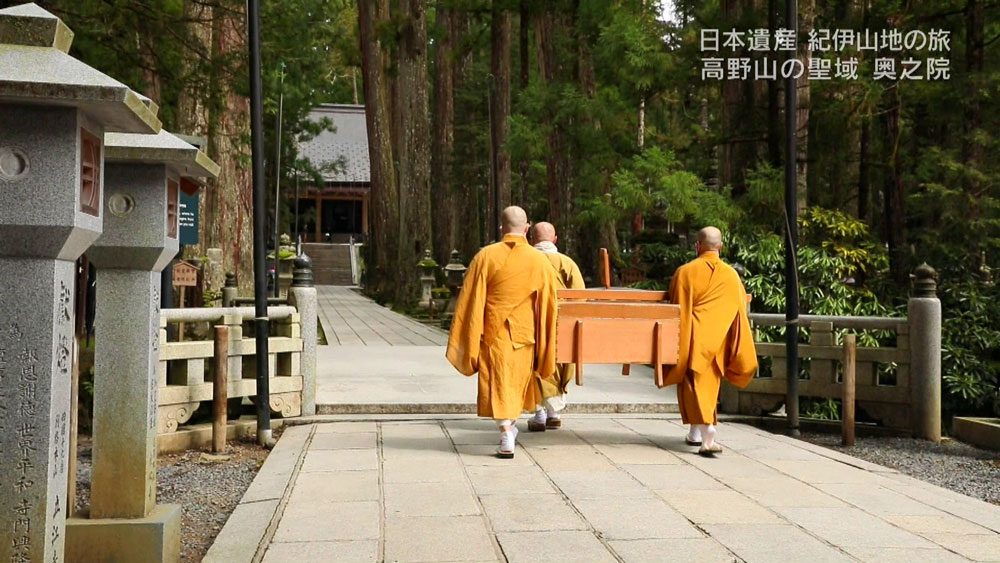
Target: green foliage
(654, 182)
(821, 409)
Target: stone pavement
(605, 488)
(378, 361)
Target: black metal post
(791, 234)
(261, 328)
(297, 239)
(277, 178)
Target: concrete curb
(249, 529)
(470, 408)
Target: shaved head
(514, 220)
(543, 232)
(710, 239)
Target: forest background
(593, 114)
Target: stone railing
(883, 373)
(184, 372)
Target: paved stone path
(378, 361)
(351, 319)
(602, 489)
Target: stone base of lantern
(153, 539)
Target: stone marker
(54, 111)
(144, 175)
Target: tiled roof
(348, 142)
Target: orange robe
(715, 337)
(569, 277)
(505, 325)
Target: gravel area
(951, 464)
(208, 490)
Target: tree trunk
(773, 97)
(443, 140)
(524, 21)
(500, 37)
(548, 24)
(807, 16)
(739, 149)
(864, 171)
(893, 190)
(864, 157)
(226, 203)
(415, 157)
(469, 224)
(973, 151)
(383, 210)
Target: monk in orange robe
(505, 326)
(568, 275)
(716, 341)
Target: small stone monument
(144, 175)
(427, 266)
(454, 274)
(54, 111)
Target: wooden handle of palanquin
(605, 269)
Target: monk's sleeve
(467, 324)
(545, 330)
(741, 351)
(576, 278)
(680, 294)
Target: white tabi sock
(694, 433)
(708, 435)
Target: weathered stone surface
(36, 322)
(328, 521)
(552, 547)
(155, 538)
(718, 507)
(635, 518)
(688, 550)
(340, 460)
(242, 533)
(531, 513)
(448, 538)
(125, 394)
(162, 148)
(30, 25)
(136, 237)
(40, 210)
(336, 486)
(769, 542)
(304, 300)
(853, 528)
(361, 551)
(453, 498)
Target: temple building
(337, 210)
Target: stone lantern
(54, 112)
(427, 267)
(454, 276)
(144, 175)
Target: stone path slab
(604, 488)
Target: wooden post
(74, 413)
(847, 396)
(626, 369)
(657, 353)
(578, 353)
(180, 326)
(605, 269)
(220, 389)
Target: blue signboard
(189, 219)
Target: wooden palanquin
(617, 326)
